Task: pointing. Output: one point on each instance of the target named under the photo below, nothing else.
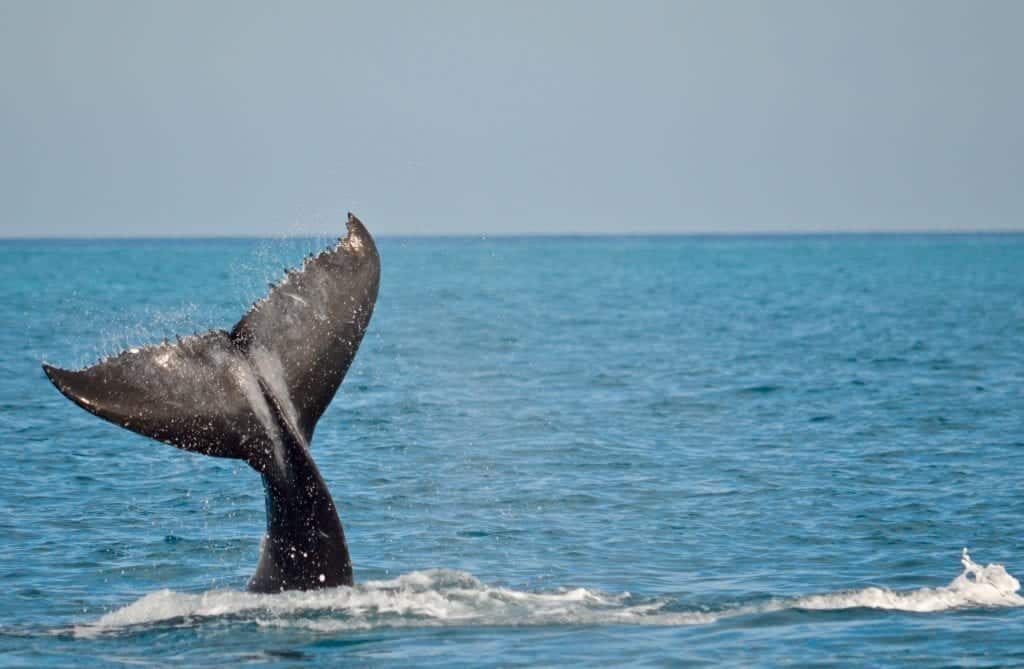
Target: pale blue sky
(259, 118)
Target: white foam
(975, 587)
(438, 597)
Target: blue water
(757, 451)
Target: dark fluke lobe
(256, 394)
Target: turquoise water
(758, 451)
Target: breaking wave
(437, 597)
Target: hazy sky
(255, 118)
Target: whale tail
(231, 394)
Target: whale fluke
(189, 394)
(256, 393)
(305, 333)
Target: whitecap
(440, 597)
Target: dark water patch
(762, 389)
(888, 360)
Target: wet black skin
(256, 393)
(304, 548)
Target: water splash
(439, 597)
(975, 587)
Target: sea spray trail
(439, 597)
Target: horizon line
(529, 235)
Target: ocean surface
(549, 451)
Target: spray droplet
(322, 578)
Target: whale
(255, 393)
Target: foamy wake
(438, 597)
